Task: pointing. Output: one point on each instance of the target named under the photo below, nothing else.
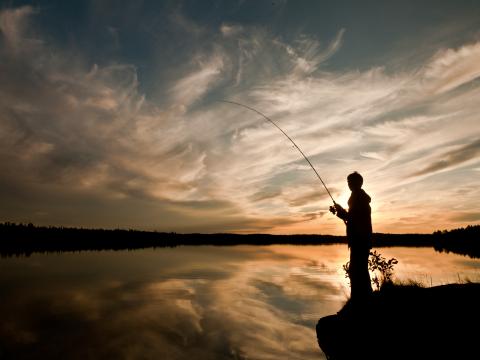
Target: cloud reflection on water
(183, 303)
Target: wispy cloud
(14, 24)
(228, 30)
(466, 217)
(451, 68)
(307, 54)
(195, 84)
(88, 130)
(453, 158)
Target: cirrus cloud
(73, 129)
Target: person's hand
(333, 210)
(338, 208)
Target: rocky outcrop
(406, 322)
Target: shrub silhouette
(380, 267)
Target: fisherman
(359, 236)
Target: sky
(111, 113)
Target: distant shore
(25, 239)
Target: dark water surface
(255, 302)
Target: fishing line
(288, 137)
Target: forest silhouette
(25, 239)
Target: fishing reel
(336, 208)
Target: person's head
(355, 181)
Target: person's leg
(354, 273)
(365, 275)
(359, 276)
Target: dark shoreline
(405, 322)
(25, 239)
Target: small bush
(381, 269)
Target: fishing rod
(288, 137)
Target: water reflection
(185, 303)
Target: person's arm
(339, 211)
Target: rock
(406, 322)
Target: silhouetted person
(359, 236)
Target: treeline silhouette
(25, 239)
(464, 241)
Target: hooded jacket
(358, 220)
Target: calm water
(188, 302)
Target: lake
(204, 302)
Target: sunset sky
(110, 113)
